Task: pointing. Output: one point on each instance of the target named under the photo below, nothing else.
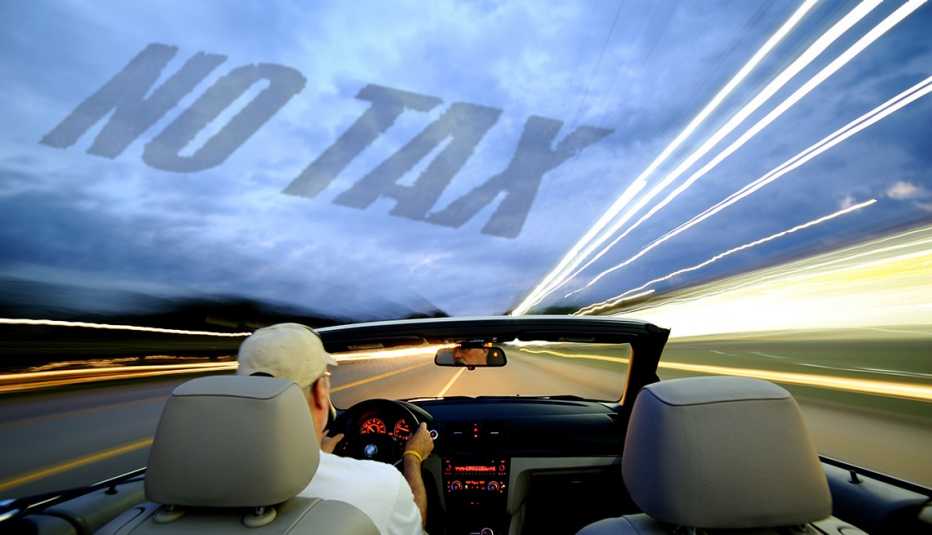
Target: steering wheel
(374, 444)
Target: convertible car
(688, 455)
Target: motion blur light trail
(641, 181)
(896, 103)
(415, 351)
(37, 380)
(614, 301)
(25, 382)
(113, 327)
(809, 55)
(875, 33)
(882, 283)
(862, 386)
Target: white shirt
(377, 489)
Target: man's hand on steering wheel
(419, 444)
(329, 443)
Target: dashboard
(501, 460)
(490, 454)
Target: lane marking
(453, 379)
(768, 355)
(722, 353)
(848, 384)
(78, 462)
(378, 377)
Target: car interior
(702, 454)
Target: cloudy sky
(639, 69)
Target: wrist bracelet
(415, 454)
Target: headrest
(232, 441)
(720, 453)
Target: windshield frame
(646, 339)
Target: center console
(476, 493)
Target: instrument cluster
(399, 429)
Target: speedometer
(372, 425)
(402, 430)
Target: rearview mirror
(470, 357)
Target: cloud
(230, 229)
(902, 190)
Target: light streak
(758, 280)
(417, 351)
(116, 327)
(641, 181)
(26, 381)
(861, 386)
(116, 369)
(809, 55)
(884, 110)
(828, 296)
(859, 46)
(622, 297)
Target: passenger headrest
(723, 452)
(232, 441)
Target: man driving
(295, 352)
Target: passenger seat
(230, 455)
(721, 453)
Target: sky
(635, 71)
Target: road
(68, 437)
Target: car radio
(475, 478)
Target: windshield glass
(754, 176)
(533, 368)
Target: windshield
(754, 176)
(532, 368)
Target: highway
(60, 438)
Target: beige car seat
(706, 454)
(230, 455)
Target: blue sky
(642, 69)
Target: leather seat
(721, 453)
(230, 455)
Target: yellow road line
(74, 463)
(861, 386)
(450, 383)
(378, 377)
